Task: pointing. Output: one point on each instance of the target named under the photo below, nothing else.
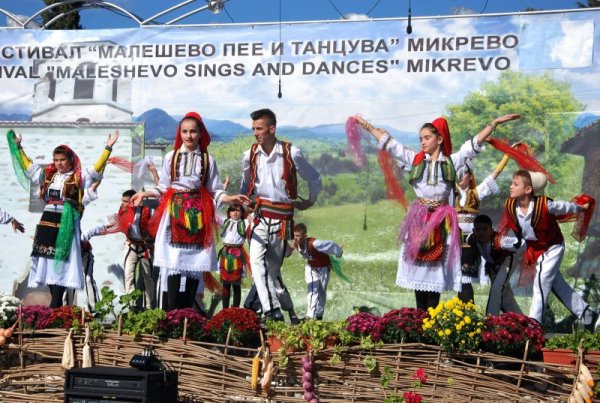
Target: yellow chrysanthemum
(440, 333)
(471, 334)
(458, 327)
(467, 319)
(478, 331)
(448, 332)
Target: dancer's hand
(506, 118)
(137, 198)
(18, 138)
(237, 199)
(303, 204)
(112, 139)
(17, 226)
(375, 131)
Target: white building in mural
(81, 99)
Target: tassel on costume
(336, 266)
(583, 219)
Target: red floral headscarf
(204, 136)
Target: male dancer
(269, 171)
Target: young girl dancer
(429, 261)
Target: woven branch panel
(31, 371)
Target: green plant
(143, 322)
(589, 341)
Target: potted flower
(172, 325)
(364, 324)
(454, 325)
(402, 325)
(508, 333)
(244, 325)
(562, 349)
(35, 316)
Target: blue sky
(245, 11)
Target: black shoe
(273, 314)
(591, 326)
(294, 320)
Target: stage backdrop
(75, 87)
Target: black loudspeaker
(119, 385)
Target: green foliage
(386, 377)
(109, 307)
(143, 322)
(590, 341)
(69, 21)
(370, 363)
(548, 108)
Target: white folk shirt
(269, 170)
(441, 190)
(554, 207)
(327, 247)
(189, 172)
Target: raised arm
(489, 129)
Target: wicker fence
(31, 371)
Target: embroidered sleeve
(95, 231)
(89, 196)
(468, 150)
(214, 184)
(308, 173)
(562, 207)
(403, 155)
(165, 175)
(488, 187)
(510, 243)
(328, 247)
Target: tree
(549, 111)
(590, 3)
(69, 21)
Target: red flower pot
(561, 356)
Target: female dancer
(56, 256)
(190, 188)
(429, 261)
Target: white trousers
(549, 279)
(316, 284)
(266, 254)
(501, 295)
(135, 254)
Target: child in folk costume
(467, 207)
(56, 256)
(429, 261)
(534, 219)
(233, 259)
(190, 187)
(492, 250)
(317, 269)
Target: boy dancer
(489, 246)
(533, 219)
(317, 269)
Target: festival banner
(77, 87)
